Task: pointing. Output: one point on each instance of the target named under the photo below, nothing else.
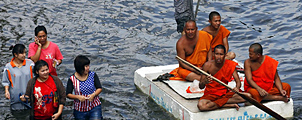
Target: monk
(220, 33)
(261, 77)
(215, 95)
(193, 47)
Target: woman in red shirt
(46, 94)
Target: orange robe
(197, 58)
(264, 77)
(222, 33)
(216, 92)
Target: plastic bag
(194, 87)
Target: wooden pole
(247, 98)
(196, 9)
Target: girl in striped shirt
(86, 86)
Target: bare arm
(237, 79)
(96, 93)
(36, 57)
(56, 115)
(210, 56)
(204, 79)
(83, 98)
(226, 44)
(278, 84)
(7, 94)
(182, 54)
(78, 97)
(69, 92)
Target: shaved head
(212, 14)
(257, 48)
(190, 21)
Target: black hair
(212, 14)
(220, 47)
(40, 28)
(79, 63)
(38, 65)
(18, 48)
(257, 48)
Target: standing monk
(42, 49)
(195, 48)
(261, 77)
(220, 34)
(215, 95)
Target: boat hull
(186, 109)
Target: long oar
(247, 98)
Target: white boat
(184, 105)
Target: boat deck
(186, 109)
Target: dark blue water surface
(120, 36)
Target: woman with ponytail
(16, 74)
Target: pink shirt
(48, 54)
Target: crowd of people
(32, 84)
(35, 91)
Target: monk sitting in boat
(220, 34)
(195, 48)
(215, 95)
(261, 77)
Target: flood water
(120, 36)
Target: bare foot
(237, 106)
(286, 99)
(232, 106)
(230, 56)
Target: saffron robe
(224, 75)
(197, 58)
(264, 77)
(274, 91)
(216, 92)
(217, 40)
